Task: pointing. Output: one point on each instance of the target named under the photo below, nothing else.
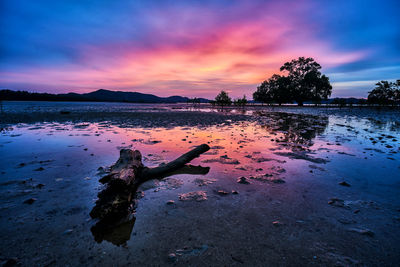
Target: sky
(194, 48)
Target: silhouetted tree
(385, 93)
(262, 93)
(240, 102)
(306, 81)
(275, 89)
(223, 99)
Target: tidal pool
(283, 188)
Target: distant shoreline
(249, 105)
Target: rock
(170, 202)
(172, 257)
(222, 193)
(68, 231)
(40, 186)
(243, 180)
(196, 196)
(277, 223)
(366, 232)
(10, 262)
(30, 201)
(203, 181)
(234, 192)
(223, 160)
(338, 203)
(268, 178)
(344, 183)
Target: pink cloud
(234, 55)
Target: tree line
(302, 81)
(385, 93)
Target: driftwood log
(114, 205)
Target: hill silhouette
(101, 95)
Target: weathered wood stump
(115, 202)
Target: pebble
(10, 262)
(68, 231)
(366, 232)
(277, 223)
(344, 184)
(39, 186)
(243, 180)
(172, 257)
(30, 201)
(222, 193)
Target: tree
(262, 93)
(385, 93)
(306, 81)
(240, 102)
(275, 89)
(223, 99)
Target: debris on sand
(277, 169)
(211, 152)
(365, 232)
(315, 167)
(344, 183)
(193, 251)
(30, 201)
(301, 155)
(39, 169)
(68, 231)
(39, 186)
(172, 257)
(338, 203)
(10, 262)
(151, 142)
(196, 196)
(243, 180)
(170, 202)
(223, 160)
(269, 178)
(217, 147)
(222, 193)
(261, 159)
(244, 168)
(170, 183)
(204, 181)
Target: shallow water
(293, 209)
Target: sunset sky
(194, 48)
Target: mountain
(100, 95)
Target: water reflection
(298, 131)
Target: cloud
(186, 47)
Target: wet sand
(284, 188)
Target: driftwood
(114, 205)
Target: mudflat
(286, 186)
